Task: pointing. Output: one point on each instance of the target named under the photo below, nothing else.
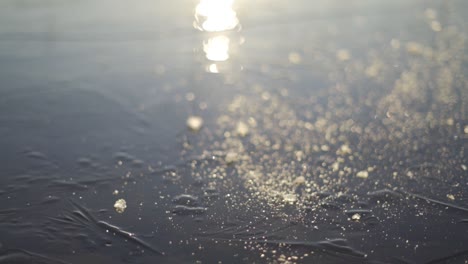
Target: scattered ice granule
(120, 206)
(410, 174)
(436, 26)
(289, 197)
(430, 13)
(465, 130)
(195, 123)
(299, 180)
(414, 48)
(335, 166)
(343, 55)
(325, 148)
(372, 71)
(242, 129)
(299, 155)
(362, 174)
(356, 217)
(115, 192)
(345, 149)
(451, 197)
(395, 43)
(189, 97)
(231, 157)
(450, 122)
(294, 58)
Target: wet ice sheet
(329, 134)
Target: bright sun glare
(217, 48)
(216, 15)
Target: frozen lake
(220, 131)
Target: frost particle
(299, 180)
(344, 149)
(231, 157)
(242, 129)
(325, 148)
(410, 174)
(430, 13)
(395, 43)
(294, 58)
(336, 166)
(356, 217)
(451, 197)
(450, 122)
(435, 25)
(120, 206)
(343, 55)
(362, 174)
(289, 198)
(194, 123)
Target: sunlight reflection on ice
(215, 15)
(217, 48)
